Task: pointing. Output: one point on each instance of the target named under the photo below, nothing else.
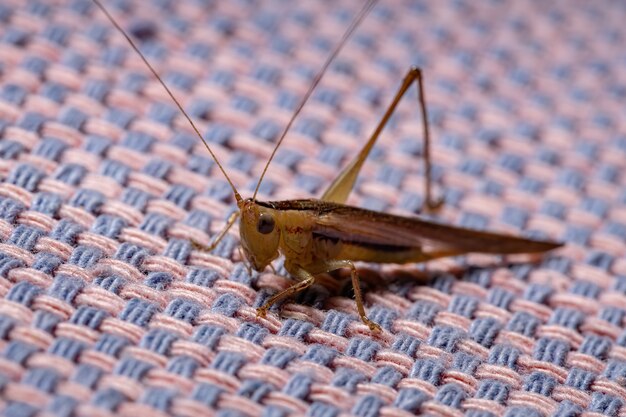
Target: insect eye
(265, 224)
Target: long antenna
(158, 77)
(353, 25)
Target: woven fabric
(108, 309)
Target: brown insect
(316, 236)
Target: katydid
(316, 236)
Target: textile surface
(107, 308)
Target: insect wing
(368, 227)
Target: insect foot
(261, 312)
(373, 326)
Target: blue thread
(159, 280)
(600, 260)
(66, 288)
(553, 209)
(524, 323)
(66, 348)
(576, 235)
(132, 368)
(347, 379)
(252, 333)
(596, 346)
(90, 200)
(18, 409)
(504, 355)
(157, 168)
(478, 413)
(568, 409)
(162, 113)
(178, 249)
(155, 223)
(116, 170)
(46, 321)
(206, 394)
(605, 404)
(551, 350)
(136, 198)
(445, 337)
(465, 362)
(428, 370)
(120, 118)
(62, 406)
(138, 141)
(158, 398)
(227, 305)
(85, 256)
(567, 317)
(87, 375)
(111, 345)
(586, 289)
(463, 305)
(580, 379)
(383, 316)
(6, 325)
(320, 409)
(41, 378)
(255, 389)
(111, 283)
(25, 237)
(208, 336)
(406, 344)
(387, 375)
(278, 357)
(240, 274)
(613, 315)
(109, 226)
(364, 349)
(10, 149)
(157, 340)
(50, 148)
(202, 277)
(491, 389)
(184, 366)
(228, 362)
(108, 399)
(539, 383)
(538, 293)
(25, 176)
(451, 395)
(184, 310)
(424, 311)
(32, 122)
(88, 316)
(320, 354)
(131, 254)
(13, 93)
(500, 297)
(297, 329)
(139, 312)
(18, 352)
(72, 117)
(336, 322)
(199, 219)
(202, 165)
(410, 399)
(368, 406)
(7, 263)
(47, 203)
(97, 144)
(180, 195)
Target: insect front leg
(305, 280)
(356, 285)
(341, 187)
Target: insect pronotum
(321, 235)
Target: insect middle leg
(341, 187)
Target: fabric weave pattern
(106, 307)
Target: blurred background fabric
(107, 308)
